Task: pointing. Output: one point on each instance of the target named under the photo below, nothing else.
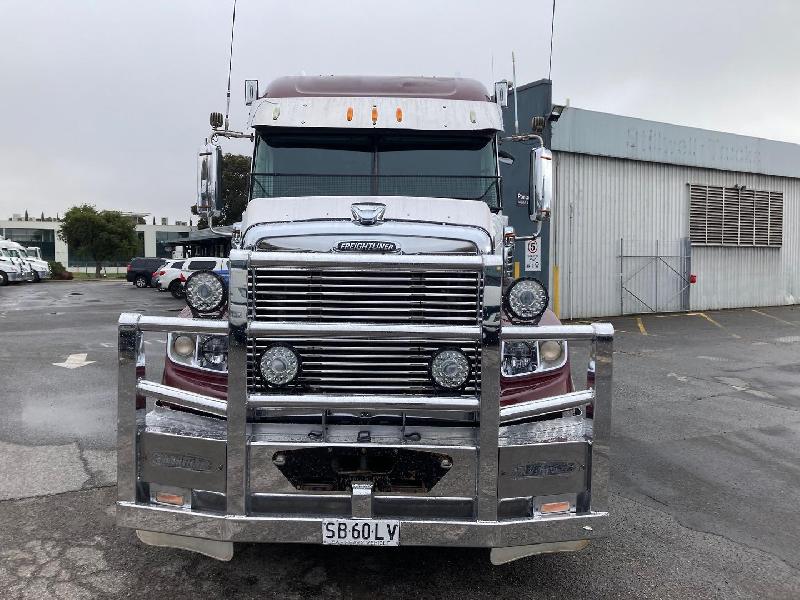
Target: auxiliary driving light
(279, 365)
(526, 299)
(450, 369)
(205, 291)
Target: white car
(10, 272)
(173, 279)
(166, 274)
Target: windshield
(14, 253)
(378, 164)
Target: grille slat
(340, 295)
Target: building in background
(153, 240)
(642, 209)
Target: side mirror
(250, 91)
(541, 184)
(501, 93)
(209, 179)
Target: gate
(654, 275)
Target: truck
(10, 271)
(370, 371)
(16, 252)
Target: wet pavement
(705, 472)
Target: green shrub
(56, 268)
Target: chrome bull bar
(484, 530)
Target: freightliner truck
(370, 371)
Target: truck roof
(446, 88)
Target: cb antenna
(516, 104)
(230, 66)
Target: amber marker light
(399, 114)
(555, 507)
(350, 113)
(166, 498)
(374, 115)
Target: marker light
(276, 112)
(350, 113)
(167, 498)
(555, 507)
(374, 115)
(399, 114)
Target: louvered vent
(721, 216)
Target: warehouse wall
(599, 200)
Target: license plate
(361, 532)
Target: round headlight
(550, 351)
(450, 369)
(526, 299)
(205, 291)
(214, 351)
(279, 365)
(518, 358)
(183, 345)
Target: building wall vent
(735, 216)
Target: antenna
(552, 27)
(230, 66)
(516, 104)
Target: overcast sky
(106, 102)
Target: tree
(235, 187)
(99, 235)
(26, 214)
(235, 190)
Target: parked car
(140, 270)
(174, 281)
(166, 271)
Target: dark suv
(140, 270)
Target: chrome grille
(404, 297)
(365, 366)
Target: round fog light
(450, 369)
(279, 365)
(550, 351)
(183, 345)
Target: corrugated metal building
(642, 206)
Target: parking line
(774, 317)
(710, 320)
(640, 325)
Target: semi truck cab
(370, 372)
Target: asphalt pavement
(705, 472)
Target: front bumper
(14, 276)
(223, 458)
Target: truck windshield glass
(439, 166)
